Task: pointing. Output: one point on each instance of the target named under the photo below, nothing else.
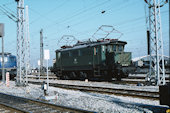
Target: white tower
(27, 43)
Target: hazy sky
(81, 18)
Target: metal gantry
(21, 71)
(157, 69)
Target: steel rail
(117, 91)
(27, 105)
(129, 80)
(5, 108)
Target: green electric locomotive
(98, 60)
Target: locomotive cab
(117, 60)
(115, 52)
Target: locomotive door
(96, 68)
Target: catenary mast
(27, 44)
(157, 69)
(20, 44)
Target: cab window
(120, 48)
(70, 54)
(109, 48)
(103, 49)
(114, 47)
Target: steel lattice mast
(27, 43)
(157, 69)
(20, 43)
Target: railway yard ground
(86, 99)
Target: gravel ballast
(87, 101)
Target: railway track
(124, 81)
(117, 91)
(143, 77)
(8, 109)
(14, 104)
(134, 80)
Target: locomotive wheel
(83, 75)
(118, 75)
(73, 75)
(118, 78)
(65, 77)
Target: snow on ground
(83, 100)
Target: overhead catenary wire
(9, 14)
(9, 3)
(56, 7)
(74, 15)
(9, 9)
(82, 11)
(71, 25)
(89, 18)
(47, 13)
(53, 23)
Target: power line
(9, 3)
(78, 13)
(41, 15)
(9, 9)
(52, 10)
(47, 13)
(9, 14)
(93, 16)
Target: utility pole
(41, 52)
(20, 44)
(157, 69)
